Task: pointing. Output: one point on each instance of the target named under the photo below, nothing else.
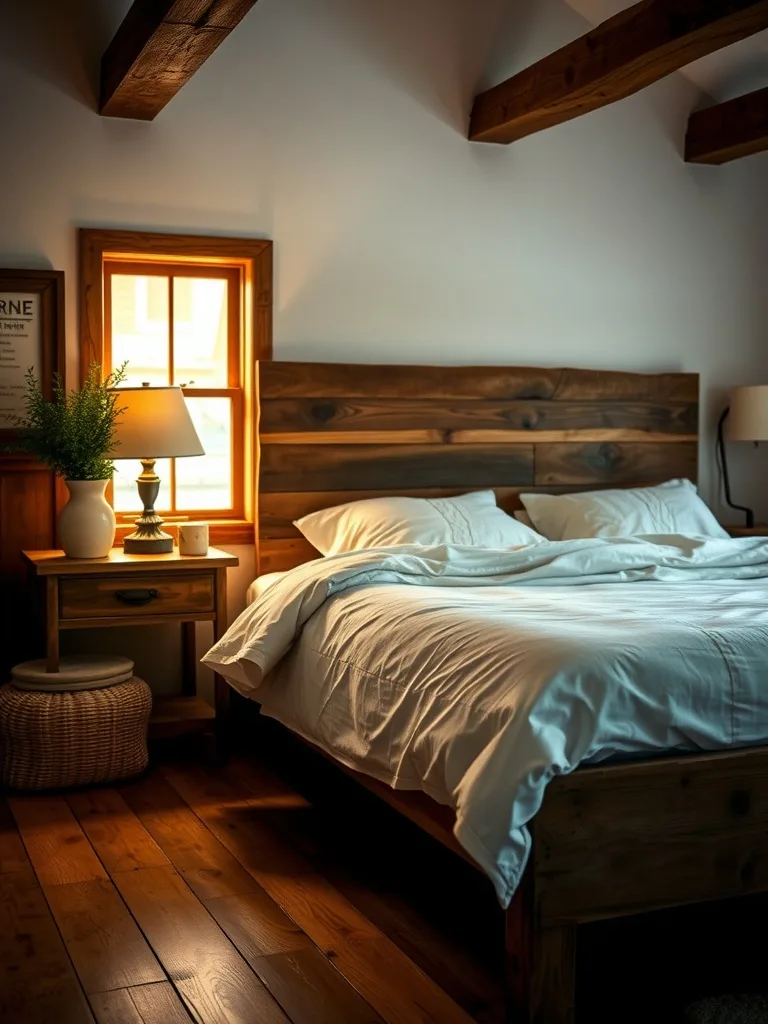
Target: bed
(608, 839)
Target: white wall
(337, 128)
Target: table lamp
(155, 424)
(745, 419)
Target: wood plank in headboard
(335, 432)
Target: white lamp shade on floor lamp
(748, 414)
(154, 424)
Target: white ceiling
(726, 73)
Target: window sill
(229, 531)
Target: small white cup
(193, 538)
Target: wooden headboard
(335, 432)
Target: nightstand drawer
(91, 597)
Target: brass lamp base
(148, 537)
(150, 541)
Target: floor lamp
(744, 419)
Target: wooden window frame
(253, 260)
(235, 371)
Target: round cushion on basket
(78, 672)
(51, 740)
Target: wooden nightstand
(142, 590)
(761, 530)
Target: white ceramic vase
(87, 521)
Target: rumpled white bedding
(477, 675)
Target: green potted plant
(73, 434)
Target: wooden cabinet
(141, 590)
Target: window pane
(140, 327)
(205, 482)
(126, 493)
(200, 331)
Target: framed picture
(31, 335)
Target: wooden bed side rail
(628, 838)
(634, 837)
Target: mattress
(261, 584)
(478, 676)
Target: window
(180, 324)
(194, 312)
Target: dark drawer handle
(135, 596)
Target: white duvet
(476, 675)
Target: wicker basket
(56, 740)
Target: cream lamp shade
(155, 424)
(744, 419)
(748, 415)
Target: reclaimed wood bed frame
(609, 841)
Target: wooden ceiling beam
(157, 49)
(729, 130)
(623, 55)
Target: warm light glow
(154, 423)
(141, 329)
(200, 331)
(207, 482)
(173, 329)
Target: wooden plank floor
(274, 890)
(212, 895)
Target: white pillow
(670, 508)
(472, 520)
